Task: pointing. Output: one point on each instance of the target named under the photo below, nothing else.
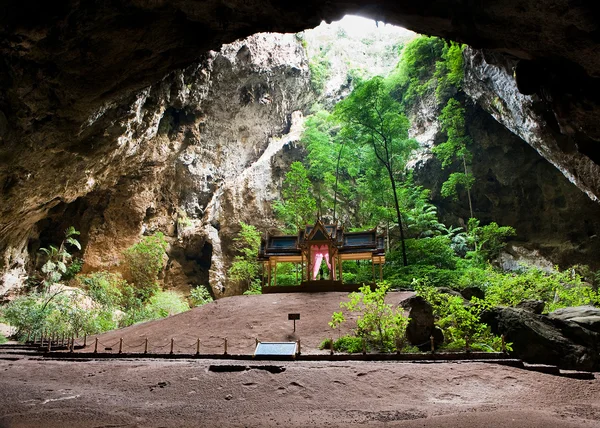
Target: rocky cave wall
(190, 156)
(91, 127)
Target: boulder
(566, 314)
(422, 323)
(470, 292)
(591, 323)
(533, 306)
(542, 340)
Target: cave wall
(515, 186)
(190, 156)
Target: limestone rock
(542, 340)
(533, 306)
(566, 314)
(421, 325)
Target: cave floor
(211, 393)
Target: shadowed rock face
(76, 100)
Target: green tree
(144, 262)
(370, 116)
(455, 148)
(245, 267)
(297, 207)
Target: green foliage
(104, 288)
(3, 339)
(460, 323)
(325, 344)
(57, 259)
(200, 296)
(487, 241)
(337, 319)
(378, 322)
(557, 289)
(320, 70)
(349, 344)
(245, 267)
(73, 269)
(297, 207)
(370, 117)
(164, 304)
(255, 288)
(144, 261)
(455, 148)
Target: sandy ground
(226, 393)
(241, 319)
(210, 393)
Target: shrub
(3, 339)
(255, 288)
(200, 296)
(164, 304)
(104, 287)
(349, 344)
(144, 262)
(459, 322)
(378, 322)
(325, 344)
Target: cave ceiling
(63, 60)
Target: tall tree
(298, 206)
(370, 116)
(455, 149)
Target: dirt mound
(240, 319)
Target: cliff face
(175, 157)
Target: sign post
(294, 317)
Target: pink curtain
(318, 253)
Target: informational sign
(276, 349)
(294, 317)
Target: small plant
(200, 296)
(164, 304)
(337, 319)
(3, 339)
(255, 288)
(57, 259)
(325, 344)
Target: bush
(104, 287)
(255, 288)
(3, 339)
(200, 296)
(144, 261)
(378, 322)
(459, 322)
(349, 344)
(164, 304)
(557, 289)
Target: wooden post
(62, 341)
(269, 274)
(172, 343)
(275, 277)
(299, 347)
(85, 340)
(503, 344)
(72, 346)
(373, 268)
(431, 339)
(364, 343)
(146, 346)
(225, 345)
(467, 347)
(198, 346)
(120, 345)
(331, 346)
(49, 345)
(257, 341)
(96, 346)
(380, 270)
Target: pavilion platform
(316, 286)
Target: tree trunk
(468, 188)
(404, 259)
